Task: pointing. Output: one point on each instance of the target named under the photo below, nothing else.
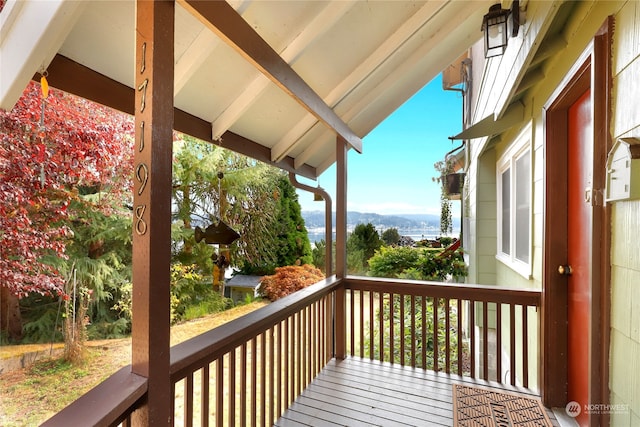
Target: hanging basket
(453, 183)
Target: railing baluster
(485, 341)
(381, 321)
(291, 336)
(302, 359)
(323, 336)
(423, 307)
(361, 338)
(472, 338)
(435, 334)
(401, 334)
(263, 378)
(352, 323)
(316, 326)
(447, 343)
(525, 347)
(413, 331)
(275, 393)
(281, 389)
(459, 330)
(310, 346)
(512, 342)
(371, 325)
(300, 342)
(254, 382)
(313, 348)
(232, 388)
(243, 384)
(391, 334)
(499, 342)
(220, 391)
(292, 361)
(204, 391)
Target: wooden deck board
(360, 392)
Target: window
(514, 205)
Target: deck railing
(394, 322)
(250, 370)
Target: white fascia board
(32, 33)
(517, 58)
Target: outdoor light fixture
(495, 25)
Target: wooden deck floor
(359, 392)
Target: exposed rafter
(434, 46)
(223, 20)
(197, 53)
(381, 54)
(322, 22)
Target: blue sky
(394, 173)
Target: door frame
(592, 69)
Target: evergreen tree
(292, 241)
(391, 236)
(362, 244)
(211, 184)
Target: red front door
(580, 153)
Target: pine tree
(293, 246)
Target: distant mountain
(315, 219)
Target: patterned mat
(478, 406)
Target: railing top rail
(106, 404)
(212, 344)
(482, 293)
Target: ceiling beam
(321, 23)
(407, 30)
(69, 76)
(223, 20)
(440, 48)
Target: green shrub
(191, 294)
(419, 264)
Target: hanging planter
(453, 183)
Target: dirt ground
(29, 396)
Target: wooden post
(341, 246)
(152, 207)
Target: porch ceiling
(330, 68)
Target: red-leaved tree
(44, 158)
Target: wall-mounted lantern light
(495, 25)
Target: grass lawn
(32, 395)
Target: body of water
(316, 235)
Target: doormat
(479, 406)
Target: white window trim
(520, 145)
